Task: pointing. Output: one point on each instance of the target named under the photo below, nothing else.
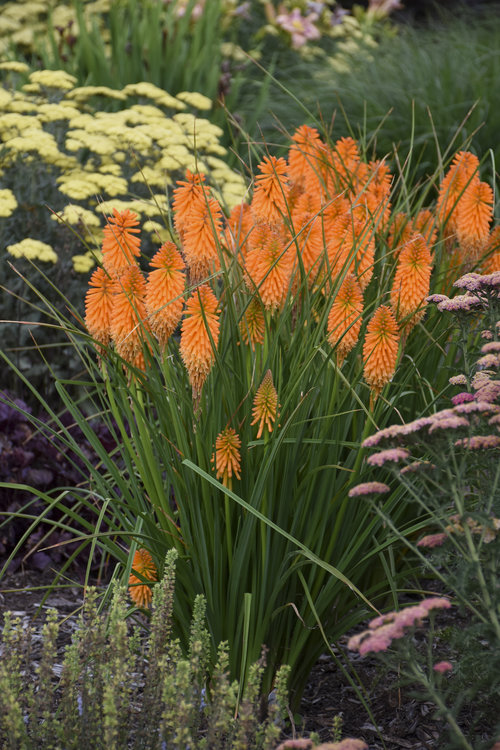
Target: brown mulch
(398, 720)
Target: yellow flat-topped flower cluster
(88, 156)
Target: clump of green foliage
(121, 686)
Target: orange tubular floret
(308, 231)
(412, 281)
(463, 167)
(491, 261)
(252, 324)
(239, 228)
(269, 201)
(199, 328)
(227, 456)
(344, 319)
(99, 305)
(306, 159)
(129, 317)
(269, 266)
(265, 405)
(164, 292)
(474, 216)
(187, 193)
(140, 592)
(120, 246)
(380, 349)
(201, 238)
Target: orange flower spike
(200, 324)
(380, 349)
(491, 261)
(411, 283)
(140, 592)
(186, 194)
(120, 245)
(308, 230)
(164, 292)
(129, 316)
(265, 405)
(344, 318)
(239, 228)
(202, 237)
(269, 201)
(474, 216)
(306, 158)
(269, 266)
(252, 324)
(463, 167)
(98, 306)
(227, 456)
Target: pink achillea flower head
(492, 347)
(442, 667)
(488, 362)
(479, 442)
(476, 407)
(469, 281)
(452, 422)
(458, 380)
(461, 305)
(391, 454)
(436, 298)
(417, 466)
(432, 540)
(436, 602)
(461, 398)
(369, 488)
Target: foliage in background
(448, 465)
(117, 688)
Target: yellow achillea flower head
(98, 306)
(380, 348)
(474, 215)
(227, 456)
(140, 592)
(8, 203)
(200, 240)
(269, 201)
(200, 324)
(344, 318)
(164, 292)
(265, 404)
(120, 245)
(129, 316)
(412, 281)
(269, 265)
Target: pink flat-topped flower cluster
(387, 628)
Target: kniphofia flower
(306, 159)
(308, 232)
(491, 262)
(269, 265)
(344, 318)
(474, 215)
(129, 317)
(201, 238)
(239, 227)
(252, 324)
(227, 456)
(410, 287)
(120, 245)
(265, 405)
(200, 328)
(187, 193)
(140, 592)
(98, 306)
(269, 200)
(380, 348)
(164, 292)
(463, 168)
